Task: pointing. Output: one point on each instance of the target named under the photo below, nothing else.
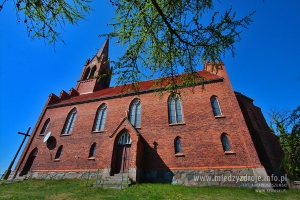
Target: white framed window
(45, 127)
(100, 118)
(68, 127)
(135, 113)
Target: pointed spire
(103, 51)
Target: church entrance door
(123, 154)
(123, 158)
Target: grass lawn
(77, 189)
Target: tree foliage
(44, 17)
(287, 128)
(164, 38)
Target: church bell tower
(94, 68)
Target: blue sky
(264, 68)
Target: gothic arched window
(92, 150)
(92, 74)
(225, 142)
(125, 139)
(100, 118)
(58, 152)
(86, 73)
(175, 110)
(215, 106)
(177, 144)
(70, 122)
(135, 113)
(45, 127)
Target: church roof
(117, 91)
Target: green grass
(77, 189)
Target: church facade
(95, 128)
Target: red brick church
(211, 130)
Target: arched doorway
(123, 153)
(29, 162)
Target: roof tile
(118, 90)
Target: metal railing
(88, 176)
(121, 183)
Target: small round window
(51, 143)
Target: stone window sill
(98, 131)
(62, 135)
(56, 160)
(179, 155)
(220, 116)
(91, 158)
(177, 124)
(229, 152)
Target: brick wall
(199, 134)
